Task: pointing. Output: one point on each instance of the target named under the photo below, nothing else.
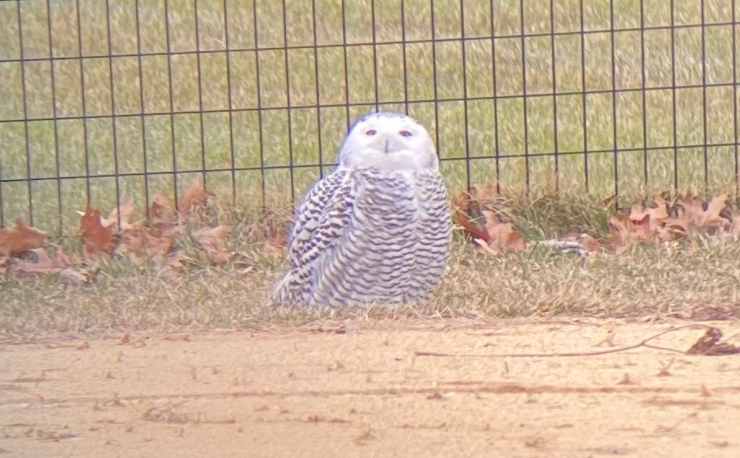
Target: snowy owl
(377, 230)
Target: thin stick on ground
(713, 334)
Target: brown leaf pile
(24, 249)
(667, 220)
(482, 216)
(479, 214)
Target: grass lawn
(175, 110)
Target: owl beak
(391, 145)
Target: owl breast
(396, 247)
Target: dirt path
(360, 390)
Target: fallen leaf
(195, 197)
(675, 228)
(162, 211)
(481, 221)
(696, 217)
(96, 237)
(126, 212)
(21, 239)
(654, 217)
(213, 242)
(712, 215)
(467, 214)
(641, 225)
(141, 243)
(620, 238)
(41, 263)
(641, 229)
(709, 345)
(505, 237)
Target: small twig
(657, 347)
(643, 343)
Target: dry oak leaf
(19, 240)
(619, 234)
(624, 232)
(162, 212)
(693, 213)
(96, 237)
(195, 196)
(712, 216)
(467, 214)
(502, 237)
(213, 241)
(654, 217)
(709, 344)
(125, 211)
(642, 228)
(140, 243)
(42, 263)
(484, 225)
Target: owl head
(388, 141)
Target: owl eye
(405, 133)
(371, 132)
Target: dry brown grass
(694, 278)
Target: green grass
(476, 80)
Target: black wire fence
(103, 100)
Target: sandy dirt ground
(362, 389)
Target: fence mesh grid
(104, 100)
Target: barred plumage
(377, 229)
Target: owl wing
(320, 224)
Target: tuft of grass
(555, 215)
